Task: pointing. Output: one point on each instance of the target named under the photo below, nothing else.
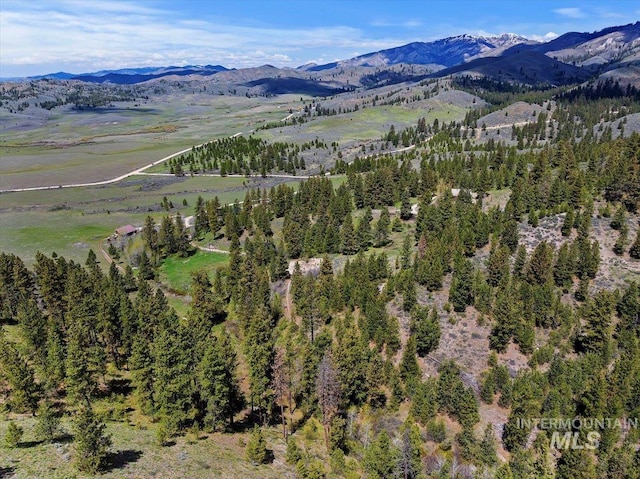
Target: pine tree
(409, 462)
(55, 356)
(596, 334)
(173, 386)
(206, 310)
(425, 328)
(564, 267)
(487, 448)
(567, 224)
(409, 294)
(218, 383)
(141, 367)
(498, 265)
(294, 454)
(505, 315)
(256, 451)
(167, 244)
(460, 293)
(19, 375)
(504, 472)
(409, 368)
(363, 232)
(575, 464)
(281, 385)
(13, 436)
(623, 238)
(145, 269)
(348, 241)
(182, 245)
(351, 355)
(33, 326)
(381, 457)
(382, 228)
(539, 268)
(543, 464)
(405, 257)
(634, 252)
(520, 262)
(90, 441)
(129, 280)
(510, 237)
(259, 351)
(405, 206)
(80, 382)
(424, 402)
(48, 425)
(201, 224)
(619, 218)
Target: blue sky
(44, 36)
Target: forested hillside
(424, 317)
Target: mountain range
(570, 58)
(443, 53)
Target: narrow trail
(106, 256)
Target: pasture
(69, 221)
(71, 146)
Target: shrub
(13, 436)
(256, 451)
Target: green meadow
(176, 272)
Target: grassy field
(366, 124)
(93, 145)
(135, 454)
(176, 272)
(72, 220)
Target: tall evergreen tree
(505, 314)
(538, 270)
(219, 386)
(498, 265)
(256, 451)
(381, 457)
(410, 442)
(91, 444)
(510, 237)
(363, 232)
(382, 228)
(348, 240)
(409, 368)
(425, 327)
(405, 206)
(460, 293)
(634, 252)
(173, 378)
(19, 375)
(206, 310)
(259, 351)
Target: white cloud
(81, 36)
(570, 12)
(411, 23)
(543, 38)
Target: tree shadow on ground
(62, 438)
(120, 459)
(7, 472)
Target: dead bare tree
(328, 392)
